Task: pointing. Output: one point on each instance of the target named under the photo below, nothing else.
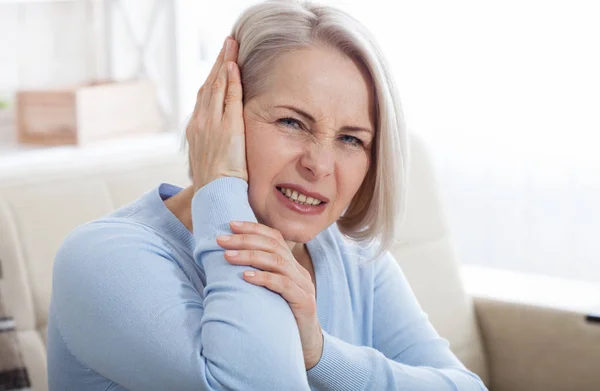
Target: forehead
(327, 83)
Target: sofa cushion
(13, 373)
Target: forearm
(245, 327)
(344, 366)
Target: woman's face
(326, 154)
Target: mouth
(299, 202)
(302, 198)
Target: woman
(156, 296)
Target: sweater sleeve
(130, 314)
(407, 352)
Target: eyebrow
(312, 119)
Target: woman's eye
(352, 140)
(289, 122)
(293, 123)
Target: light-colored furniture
(513, 343)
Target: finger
(298, 299)
(211, 75)
(231, 51)
(261, 229)
(215, 105)
(266, 261)
(218, 101)
(250, 241)
(256, 228)
(259, 259)
(206, 90)
(233, 100)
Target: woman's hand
(255, 244)
(215, 133)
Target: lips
(302, 190)
(300, 209)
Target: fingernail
(249, 273)
(229, 46)
(223, 238)
(231, 253)
(236, 223)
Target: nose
(318, 160)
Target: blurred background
(506, 94)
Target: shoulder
(361, 257)
(109, 235)
(96, 252)
(334, 240)
(343, 252)
(103, 263)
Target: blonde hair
(269, 29)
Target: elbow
(238, 355)
(463, 379)
(239, 360)
(257, 373)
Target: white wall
(506, 95)
(61, 43)
(43, 45)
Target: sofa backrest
(424, 250)
(42, 201)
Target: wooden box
(87, 113)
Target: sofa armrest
(540, 333)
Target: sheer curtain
(507, 95)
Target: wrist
(313, 359)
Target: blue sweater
(140, 303)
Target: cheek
(262, 149)
(255, 160)
(257, 177)
(351, 175)
(268, 148)
(252, 147)
(267, 155)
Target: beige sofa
(513, 342)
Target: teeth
(298, 197)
